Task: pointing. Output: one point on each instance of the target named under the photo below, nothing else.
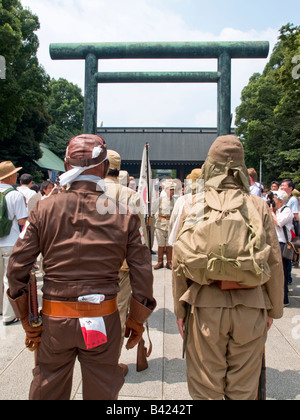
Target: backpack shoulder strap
(4, 193)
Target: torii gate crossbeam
(224, 52)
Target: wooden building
(180, 149)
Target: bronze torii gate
(223, 51)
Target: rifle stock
(262, 387)
(143, 353)
(34, 316)
(141, 362)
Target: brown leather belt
(65, 309)
(164, 217)
(232, 285)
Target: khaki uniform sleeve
(180, 287)
(135, 203)
(179, 282)
(139, 262)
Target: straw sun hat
(7, 169)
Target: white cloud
(138, 20)
(207, 118)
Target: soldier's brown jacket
(83, 250)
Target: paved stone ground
(165, 379)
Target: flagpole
(148, 177)
(149, 220)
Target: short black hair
(275, 182)
(113, 172)
(26, 179)
(45, 185)
(291, 183)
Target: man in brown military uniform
(83, 251)
(227, 329)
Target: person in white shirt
(26, 182)
(283, 219)
(255, 187)
(288, 186)
(18, 213)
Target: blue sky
(186, 105)
(243, 15)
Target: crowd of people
(62, 224)
(21, 196)
(283, 199)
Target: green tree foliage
(268, 119)
(66, 107)
(23, 117)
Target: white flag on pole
(144, 182)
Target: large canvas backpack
(228, 243)
(5, 222)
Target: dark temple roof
(166, 145)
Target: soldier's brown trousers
(62, 342)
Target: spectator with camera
(283, 219)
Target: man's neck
(115, 178)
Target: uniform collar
(91, 182)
